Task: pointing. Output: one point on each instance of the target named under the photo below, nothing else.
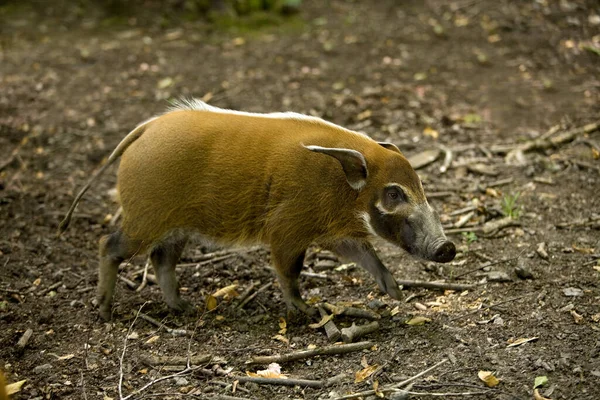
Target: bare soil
(468, 75)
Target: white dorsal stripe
(193, 104)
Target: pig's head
(396, 207)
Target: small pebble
(375, 304)
(498, 276)
(180, 381)
(523, 271)
(572, 292)
(42, 368)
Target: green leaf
(540, 381)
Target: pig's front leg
(364, 255)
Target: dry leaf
(418, 320)
(272, 371)
(211, 302)
(538, 396)
(488, 378)
(363, 362)
(226, 291)
(521, 341)
(364, 115)
(584, 250)
(133, 336)
(14, 387)
(165, 83)
(282, 326)
(540, 381)
(395, 311)
(152, 339)
(577, 317)
(365, 373)
(322, 322)
(432, 133)
(37, 281)
(376, 389)
(281, 338)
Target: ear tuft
(353, 163)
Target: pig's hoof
(105, 313)
(182, 306)
(300, 316)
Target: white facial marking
(366, 219)
(381, 209)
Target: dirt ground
(468, 76)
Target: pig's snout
(444, 252)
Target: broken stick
(352, 312)
(435, 285)
(349, 335)
(280, 381)
(332, 331)
(319, 351)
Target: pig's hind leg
(164, 257)
(114, 249)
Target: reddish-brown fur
(239, 179)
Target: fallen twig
(246, 293)
(436, 285)
(319, 351)
(209, 261)
(485, 265)
(153, 361)
(49, 288)
(253, 295)
(500, 182)
(579, 222)
(215, 256)
(144, 278)
(332, 331)
(131, 284)
(354, 332)
(115, 218)
(394, 387)
(448, 156)
(351, 312)
(448, 394)
(488, 228)
(547, 140)
(438, 195)
(174, 332)
(122, 357)
(25, 339)
(280, 381)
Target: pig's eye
(395, 194)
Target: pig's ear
(352, 161)
(390, 146)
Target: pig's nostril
(445, 253)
